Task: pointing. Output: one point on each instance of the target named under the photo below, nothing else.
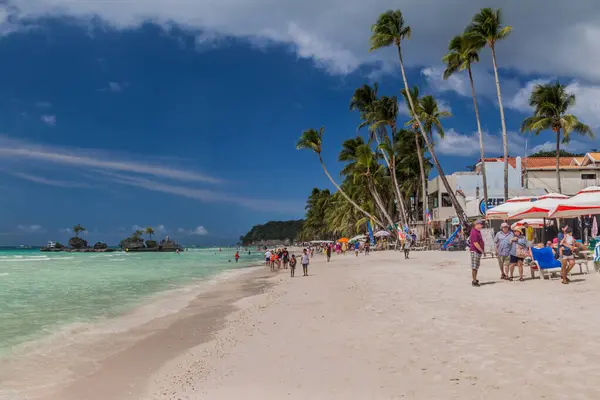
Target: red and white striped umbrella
(586, 202)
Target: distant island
(134, 243)
(273, 232)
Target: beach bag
(522, 251)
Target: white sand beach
(376, 327)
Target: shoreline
(32, 368)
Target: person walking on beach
(406, 246)
(476, 247)
(286, 258)
(367, 248)
(344, 248)
(328, 252)
(267, 258)
(273, 260)
(503, 242)
(518, 250)
(567, 245)
(292, 265)
(305, 261)
(237, 256)
(356, 248)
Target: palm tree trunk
(503, 121)
(359, 208)
(423, 178)
(391, 164)
(460, 213)
(558, 185)
(380, 204)
(482, 153)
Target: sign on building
(492, 202)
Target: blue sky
(189, 124)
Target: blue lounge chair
(544, 262)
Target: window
(446, 200)
(588, 176)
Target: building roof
(541, 163)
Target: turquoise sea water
(42, 292)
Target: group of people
(281, 257)
(513, 246)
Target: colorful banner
(451, 238)
(371, 233)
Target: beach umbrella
(512, 205)
(343, 240)
(539, 208)
(594, 227)
(382, 234)
(586, 202)
(533, 222)
(357, 237)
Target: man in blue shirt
(503, 242)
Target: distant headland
(133, 243)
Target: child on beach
(273, 261)
(292, 265)
(305, 261)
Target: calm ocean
(41, 293)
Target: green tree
(487, 28)
(311, 139)
(390, 30)
(77, 229)
(149, 231)
(377, 113)
(551, 103)
(463, 51)
(138, 234)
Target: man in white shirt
(268, 257)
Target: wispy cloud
(197, 231)
(46, 181)
(83, 158)
(207, 195)
(49, 119)
(114, 87)
(35, 228)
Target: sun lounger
(544, 262)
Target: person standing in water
(237, 256)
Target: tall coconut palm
(414, 94)
(463, 51)
(390, 30)
(363, 167)
(551, 102)
(377, 114)
(77, 229)
(311, 139)
(487, 28)
(367, 168)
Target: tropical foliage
(273, 230)
(77, 229)
(386, 168)
(551, 103)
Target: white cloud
(46, 181)
(93, 160)
(114, 87)
(199, 230)
(520, 100)
(65, 230)
(467, 145)
(31, 228)
(334, 33)
(574, 146)
(49, 119)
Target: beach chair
(544, 262)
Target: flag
(594, 227)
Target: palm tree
(551, 103)
(486, 28)
(414, 94)
(138, 233)
(377, 114)
(77, 229)
(149, 232)
(363, 167)
(311, 139)
(463, 51)
(391, 31)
